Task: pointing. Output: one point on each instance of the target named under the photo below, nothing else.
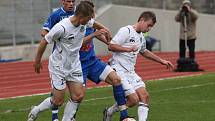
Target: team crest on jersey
(82, 29)
(132, 39)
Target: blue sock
(54, 110)
(119, 96)
(123, 114)
(54, 113)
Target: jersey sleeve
(143, 46)
(55, 33)
(51, 21)
(90, 23)
(121, 36)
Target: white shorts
(105, 72)
(59, 77)
(130, 81)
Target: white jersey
(127, 37)
(68, 39)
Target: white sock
(114, 108)
(143, 111)
(70, 110)
(46, 104)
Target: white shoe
(32, 116)
(106, 116)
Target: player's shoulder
(126, 29)
(57, 12)
(64, 22)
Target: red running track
(19, 79)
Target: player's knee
(78, 97)
(57, 102)
(116, 81)
(132, 101)
(144, 97)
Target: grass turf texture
(181, 99)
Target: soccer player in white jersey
(67, 9)
(107, 73)
(64, 64)
(126, 45)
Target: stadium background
(21, 21)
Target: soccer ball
(129, 119)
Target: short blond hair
(84, 9)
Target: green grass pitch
(179, 99)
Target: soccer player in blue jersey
(88, 62)
(63, 12)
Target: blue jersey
(87, 51)
(92, 67)
(55, 17)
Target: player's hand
(134, 48)
(37, 67)
(107, 34)
(168, 64)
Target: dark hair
(89, 2)
(146, 15)
(84, 9)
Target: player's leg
(58, 91)
(101, 71)
(77, 92)
(143, 107)
(48, 103)
(131, 96)
(55, 113)
(132, 100)
(118, 91)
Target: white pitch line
(103, 86)
(184, 87)
(103, 98)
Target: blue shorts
(92, 69)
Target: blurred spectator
(150, 41)
(187, 18)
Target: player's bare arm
(156, 58)
(104, 29)
(118, 48)
(98, 34)
(103, 39)
(40, 51)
